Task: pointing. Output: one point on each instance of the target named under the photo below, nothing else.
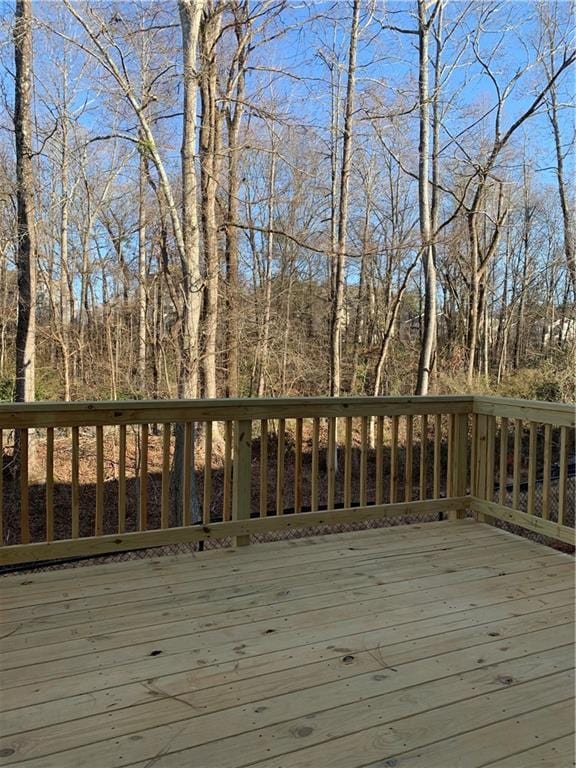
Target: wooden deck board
(441, 644)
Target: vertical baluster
(298, 468)
(331, 462)
(474, 456)
(315, 465)
(379, 459)
(423, 455)
(1, 488)
(75, 500)
(460, 463)
(532, 444)
(227, 501)
(562, 480)
(122, 479)
(24, 503)
(490, 456)
(450, 457)
(503, 471)
(394, 460)
(364, 461)
(207, 497)
(99, 518)
(348, 464)
(263, 467)
(188, 470)
(49, 484)
(517, 463)
(281, 447)
(409, 467)
(242, 490)
(143, 522)
(437, 455)
(165, 488)
(481, 431)
(547, 471)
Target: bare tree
(26, 243)
(337, 320)
(210, 151)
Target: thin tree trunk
(26, 247)
(142, 274)
(210, 164)
(64, 298)
(190, 15)
(266, 313)
(340, 271)
(234, 114)
(428, 345)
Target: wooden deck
(444, 644)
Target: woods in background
(238, 198)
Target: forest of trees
(263, 197)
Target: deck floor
(445, 644)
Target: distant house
(562, 329)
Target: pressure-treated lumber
(529, 522)
(461, 660)
(158, 538)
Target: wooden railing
(523, 465)
(81, 479)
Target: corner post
(482, 435)
(459, 462)
(242, 476)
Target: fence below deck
(82, 479)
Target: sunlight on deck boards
(443, 644)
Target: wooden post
(315, 465)
(503, 470)
(409, 464)
(459, 457)
(547, 471)
(207, 496)
(122, 479)
(24, 507)
(280, 450)
(242, 475)
(1, 490)
(481, 463)
(298, 468)
(562, 481)
(49, 484)
(99, 517)
(75, 500)
(364, 462)
(490, 457)
(532, 447)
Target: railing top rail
(559, 414)
(59, 414)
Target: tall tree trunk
(428, 344)
(340, 270)
(142, 275)
(64, 318)
(190, 15)
(435, 202)
(567, 211)
(234, 113)
(210, 165)
(26, 247)
(361, 321)
(267, 279)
